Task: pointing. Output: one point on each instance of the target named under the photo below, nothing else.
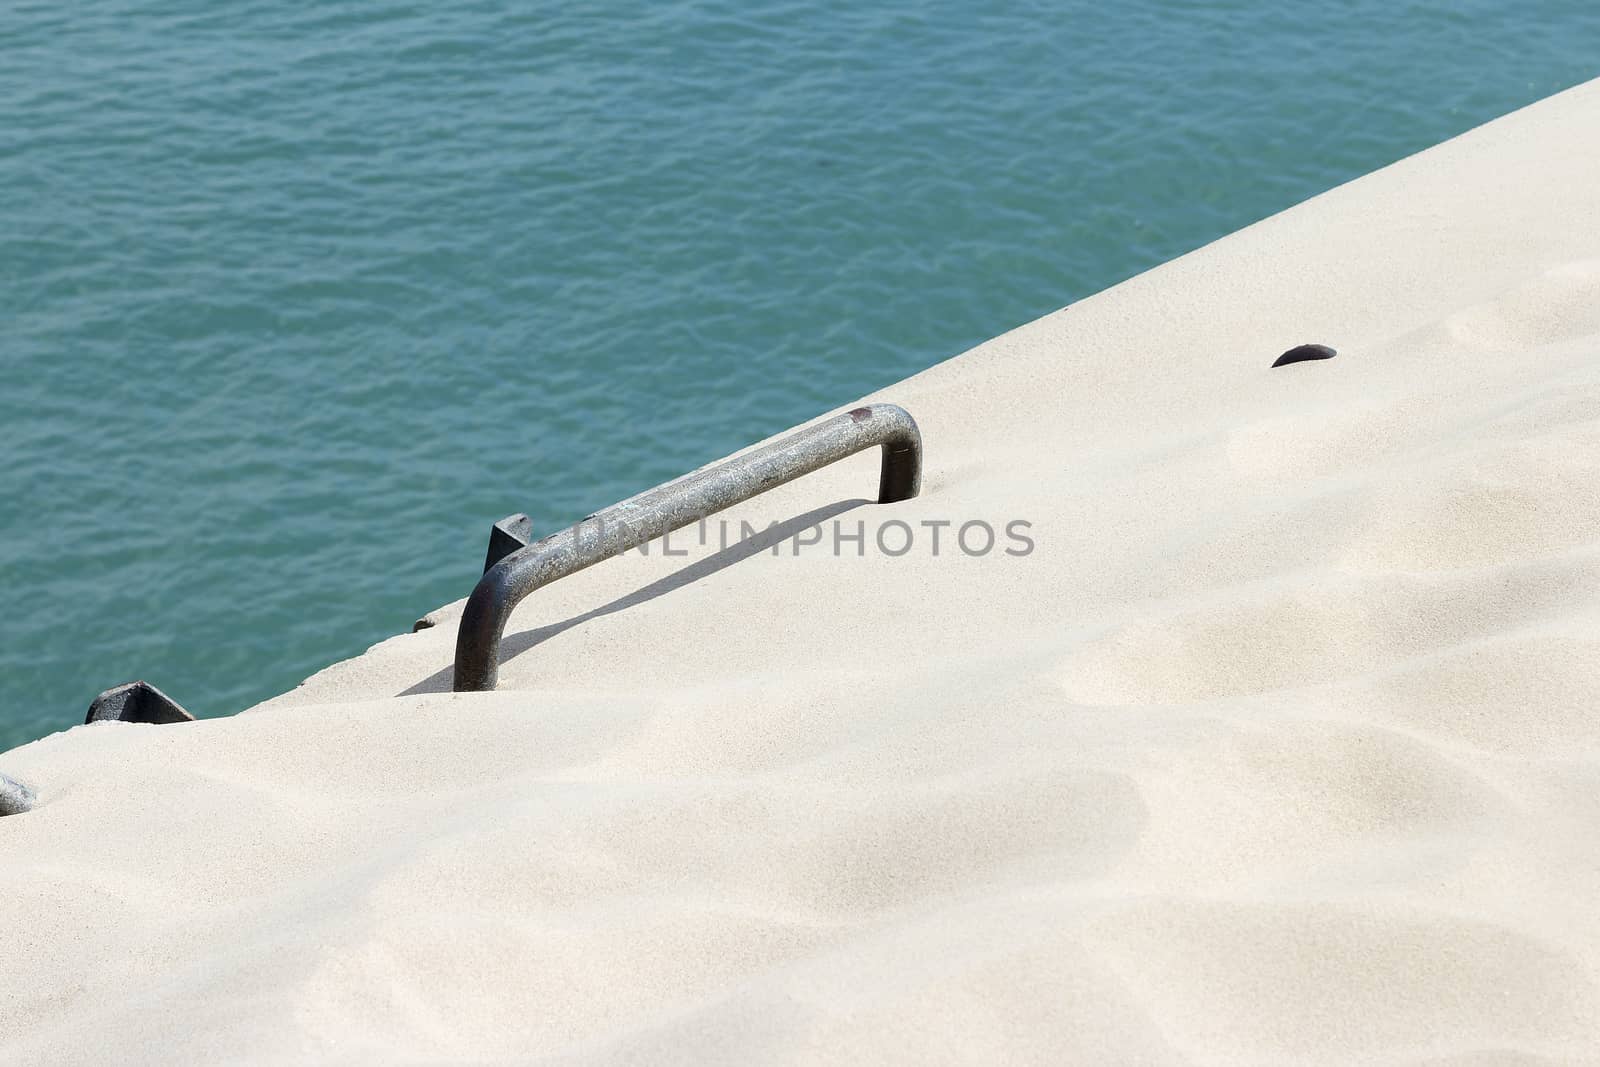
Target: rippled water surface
(297, 299)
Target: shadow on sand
(516, 644)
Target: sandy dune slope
(1282, 745)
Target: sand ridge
(1281, 746)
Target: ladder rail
(672, 506)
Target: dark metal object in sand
(1301, 353)
(136, 702)
(506, 536)
(669, 507)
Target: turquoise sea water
(297, 299)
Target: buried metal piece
(506, 536)
(672, 506)
(136, 702)
(15, 798)
(1301, 353)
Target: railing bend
(672, 506)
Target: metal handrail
(672, 506)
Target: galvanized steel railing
(659, 511)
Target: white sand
(1283, 746)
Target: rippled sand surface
(1281, 746)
